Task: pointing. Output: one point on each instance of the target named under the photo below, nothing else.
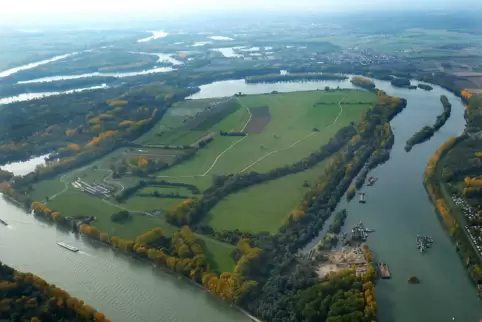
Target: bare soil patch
(260, 118)
(348, 257)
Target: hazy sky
(18, 9)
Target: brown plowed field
(260, 118)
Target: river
(123, 288)
(25, 167)
(31, 96)
(118, 75)
(397, 208)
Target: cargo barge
(384, 271)
(71, 248)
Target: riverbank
(446, 209)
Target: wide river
(398, 208)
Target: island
(363, 82)
(427, 132)
(413, 280)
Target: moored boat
(362, 197)
(71, 248)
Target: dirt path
(111, 181)
(297, 142)
(126, 209)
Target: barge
(384, 271)
(71, 248)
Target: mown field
(281, 129)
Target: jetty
(362, 197)
(3, 222)
(384, 271)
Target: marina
(360, 232)
(424, 243)
(71, 248)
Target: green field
(264, 207)
(287, 138)
(286, 135)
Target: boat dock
(384, 271)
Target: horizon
(54, 12)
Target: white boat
(71, 248)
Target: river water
(31, 96)
(25, 167)
(397, 208)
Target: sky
(19, 10)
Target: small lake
(220, 38)
(24, 167)
(201, 43)
(155, 35)
(162, 58)
(231, 87)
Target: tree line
(130, 191)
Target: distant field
(188, 121)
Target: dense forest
(26, 297)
